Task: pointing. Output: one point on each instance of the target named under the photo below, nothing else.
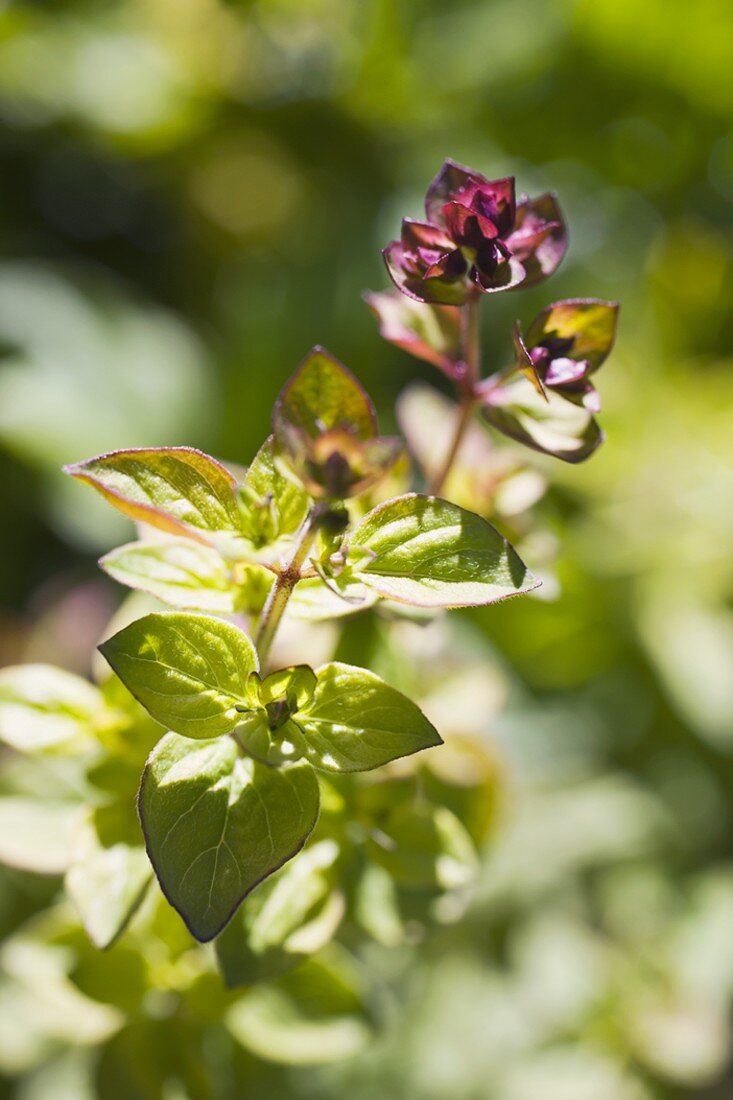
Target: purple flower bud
(476, 239)
(552, 408)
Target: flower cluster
(478, 239)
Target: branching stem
(285, 582)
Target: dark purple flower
(426, 264)
(477, 238)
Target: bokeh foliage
(193, 193)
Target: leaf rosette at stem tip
(549, 401)
(198, 676)
(477, 239)
(326, 427)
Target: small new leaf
(217, 824)
(356, 722)
(430, 553)
(176, 489)
(189, 671)
(273, 502)
(178, 571)
(321, 395)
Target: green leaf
(552, 424)
(274, 503)
(356, 722)
(323, 394)
(37, 834)
(216, 824)
(424, 847)
(316, 1013)
(189, 671)
(106, 882)
(176, 489)
(42, 708)
(430, 553)
(177, 571)
(289, 917)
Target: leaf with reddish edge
(323, 394)
(428, 552)
(326, 427)
(181, 572)
(539, 239)
(589, 324)
(429, 332)
(554, 425)
(176, 489)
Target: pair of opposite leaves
(216, 824)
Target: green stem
(470, 348)
(285, 582)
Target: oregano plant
(246, 762)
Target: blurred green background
(192, 193)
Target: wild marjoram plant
(319, 528)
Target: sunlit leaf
(274, 503)
(552, 424)
(588, 325)
(356, 722)
(321, 395)
(431, 553)
(216, 824)
(178, 571)
(188, 671)
(176, 489)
